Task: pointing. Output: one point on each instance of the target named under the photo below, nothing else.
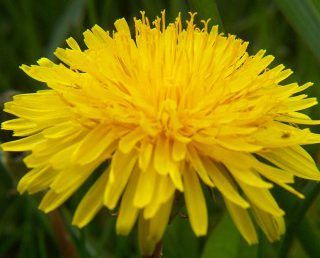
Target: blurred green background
(30, 29)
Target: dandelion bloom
(173, 109)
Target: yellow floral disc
(174, 108)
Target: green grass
(288, 29)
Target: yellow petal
(175, 170)
(24, 144)
(52, 200)
(63, 158)
(93, 145)
(297, 118)
(162, 156)
(91, 203)
(21, 127)
(59, 130)
(101, 33)
(128, 213)
(36, 180)
(274, 174)
(145, 155)
(17, 124)
(146, 245)
(198, 165)
(295, 160)
(179, 150)
(164, 189)
(195, 203)
(53, 146)
(238, 144)
(33, 161)
(248, 177)
(54, 115)
(262, 199)
(91, 40)
(278, 176)
(122, 26)
(159, 222)
(243, 222)
(121, 168)
(224, 185)
(128, 142)
(72, 43)
(241, 166)
(278, 135)
(27, 132)
(272, 226)
(291, 190)
(146, 186)
(72, 175)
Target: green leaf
(179, 240)
(206, 9)
(304, 17)
(246, 250)
(223, 241)
(317, 4)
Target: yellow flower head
(174, 108)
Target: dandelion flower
(175, 109)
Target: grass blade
(298, 210)
(223, 241)
(304, 17)
(309, 238)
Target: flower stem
(157, 252)
(66, 247)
